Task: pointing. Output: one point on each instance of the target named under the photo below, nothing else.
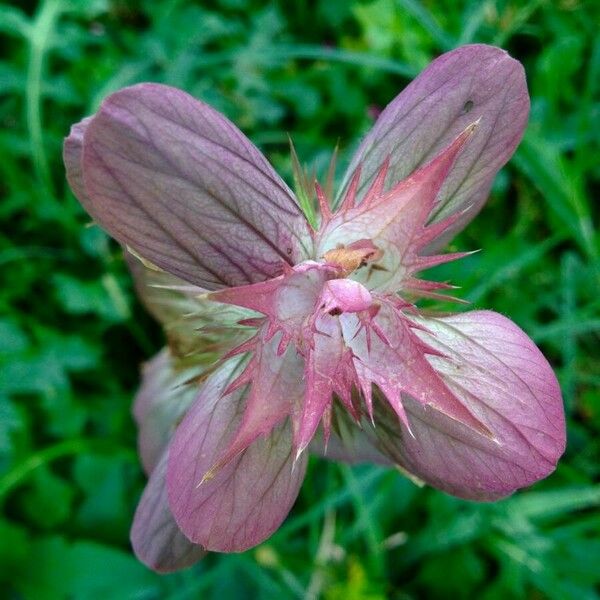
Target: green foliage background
(72, 335)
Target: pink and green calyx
(280, 331)
(343, 316)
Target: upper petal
(247, 499)
(459, 87)
(176, 181)
(502, 378)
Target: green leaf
(11, 422)
(56, 568)
(553, 503)
(13, 338)
(47, 499)
(98, 297)
(105, 510)
(14, 548)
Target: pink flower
(300, 332)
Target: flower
(283, 336)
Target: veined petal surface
(245, 500)
(501, 377)
(470, 83)
(176, 181)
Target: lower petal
(155, 537)
(505, 381)
(244, 501)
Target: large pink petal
(244, 501)
(176, 181)
(461, 86)
(155, 537)
(502, 377)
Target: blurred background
(72, 334)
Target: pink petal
(72, 156)
(176, 181)
(247, 499)
(461, 86)
(501, 376)
(72, 152)
(155, 537)
(162, 400)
